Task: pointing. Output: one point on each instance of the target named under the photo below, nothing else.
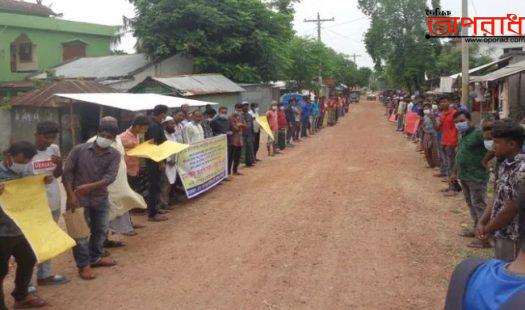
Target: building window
(23, 55)
(73, 49)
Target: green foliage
(244, 39)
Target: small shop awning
(501, 73)
(134, 102)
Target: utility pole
(319, 21)
(355, 56)
(464, 57)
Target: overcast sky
(345, 34)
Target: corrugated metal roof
(200, 84)
(473, 70)
(100, 67)
(44, 96)
(501, 73)
(25, 8)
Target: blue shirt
(307, 111)
(491, 286)
(316, 109)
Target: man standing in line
(449, 139)
(471, 173)
(154, 170)
(248, 135)
(254, 112)
(193, 131)
(273, 121)
(89, 170)
(12, 242)
(48, 161)
(501, 219)
(237, 126)
(221, 126)
(290, 118)
(401, 107)
(305, 120)
(283, 125)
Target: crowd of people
(105, 184)
(464, 156)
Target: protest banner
(157, 152)
(393, 118)
(203, 165)
(263, 121)
(25, 202)
(411, 122)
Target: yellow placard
(263, 121)
(157, 152)
(25, 202)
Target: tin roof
(45, 96)
(501, 73)
(100, 67)
(200, 84)
(25, 8)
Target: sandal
(130, 234)
(31, 301)
(53, 280)
(477, 244)
(104, 262)
(138, 226)
(114, 244)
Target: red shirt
(281, 119)
(449, 133)
(273, 120)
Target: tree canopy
(246, 40)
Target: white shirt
(42, 164)
(193, 133)
(256, 126)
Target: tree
(243, 39)
(396, 40)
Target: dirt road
(349, 219)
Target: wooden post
(71, 124)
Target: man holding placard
(12, 242)
(89, 170)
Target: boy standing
(501, 220)
(48, 161)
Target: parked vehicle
(354, 96)
(371, 97)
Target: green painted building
(33, 39)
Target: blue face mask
(462, 126)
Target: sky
(345, 34)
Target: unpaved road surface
(348, 219)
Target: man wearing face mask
(193, 131)
(15, 165)
(248, 135)
(220, 125)
(470, 171)
(237, 126)
(429, 137)
(501, 220)
(89, 170)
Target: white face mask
(426, 111)
(489, 145)
(103, 143)
(274, 108)
(19, 168)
